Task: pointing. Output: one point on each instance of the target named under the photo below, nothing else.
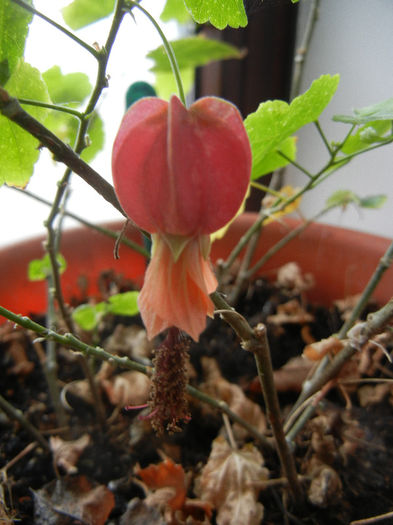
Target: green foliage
(367, 135)
(275, 120)
(81, 13)
(175, 10)
(190, 53)
(89, 315)
(70, 88)
(70, 91)
(220, 13)
(380, 111)
(14, 26)
(345, 197)
(274, 161)
(18, 149)
(40, 269)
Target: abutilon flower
(180, 174)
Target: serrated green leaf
(274, 161)
(380, 111)
(193, 52)
(124, 303)
(87, 316)
(40, 269)
(175, 10)
(73, 87)
(81, 13)
(220, 13)
(373, 201)
(275, 120)
(18, 149)
(14, 26)
(366, 135)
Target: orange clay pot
(340, 260)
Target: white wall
(355, 39)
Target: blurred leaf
(81, 13)
(342, 198)
(40, 269)
(274, 161)
(18, 149)
(87, 316)
(73, 87)
(366, 135)
(275, 120)
(193, 52)
(14, 26)
(345, 197)
(380, 111)
(373, 201)
(124, 303)
(175, 10)
(166, 84)
(219, 14)
(96, 138)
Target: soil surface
(111, 467)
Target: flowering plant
(181, 173)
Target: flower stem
(168, 49)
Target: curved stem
(55, 107)
(168, 48)
(61, 28)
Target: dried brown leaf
(291, 376)
(128, 388)
(139, 512)
(130, 341)
(228, 481)
(65, 500)
(290, 277)
(291, 312)
(67, 453)
(219, 388)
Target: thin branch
(61, 28)
(54, 107)
(10, 108)
(17, 414)
(72, 342)
(100, 229)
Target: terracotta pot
(341, 261)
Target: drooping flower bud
(180, 174)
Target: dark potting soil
(343, 453)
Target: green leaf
(175, 10)
(40, 269)
(220, 13)
(345, 197)
(18, 149)
(274, 161)
(96, 138)
(81, 13)
(367, 135)
(275, 120)
(87, 316)
(14, 26)
(193, 52)
(124, 303)
(165, 83)
(373, 201)
(380, 111)
(342, 198)
(73, 87)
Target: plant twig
(72, 342)
(256, 342)
(10, 108)
(17, 414)
(265, 372)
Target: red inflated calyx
(180, 174)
